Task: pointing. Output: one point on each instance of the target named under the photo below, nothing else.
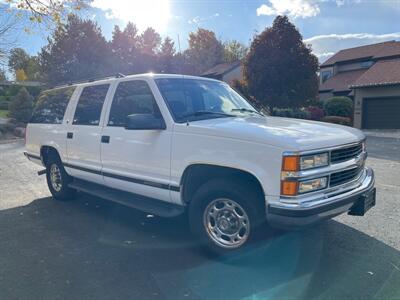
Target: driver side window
(132, 97)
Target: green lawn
(3, 113)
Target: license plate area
(364, 203)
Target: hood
(288, 134)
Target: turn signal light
(289, 188)
(290, 163)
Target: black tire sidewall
(65, 193)
(229, 189)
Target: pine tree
(21, 106)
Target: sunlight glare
(143, 13)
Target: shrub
(337, 120)
(339, 106)
(316, 113)
(21, 106)
(4, 105)
(7, 128)
(291, 113)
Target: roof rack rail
(91, 79)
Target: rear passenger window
(132, 97)
(90, 104)
(51, 105)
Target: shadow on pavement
(92, 249)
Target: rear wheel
(225, 215)
(58, 179)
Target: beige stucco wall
(372, 92)
(236, 73)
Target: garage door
(381, 113)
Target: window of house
(90, 104)
(51, 105)
(132, 97)
(366, 64)
(325, 75)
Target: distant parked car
(166, 144)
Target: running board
(146, 204)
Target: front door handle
(105, 139)
(70, 135)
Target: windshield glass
(196, 99)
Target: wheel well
(46, 151)
(196, 175)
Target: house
(226, 72)
(370, 75)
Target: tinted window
(186, 97)
(90, 104)
(51, 105)
(132, 97)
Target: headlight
(312, 185)
(313, 161)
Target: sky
(327, 25)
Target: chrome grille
(342, 177)
(344, 154)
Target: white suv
(167, 144)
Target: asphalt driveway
(92, 249)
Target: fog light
(312, 185)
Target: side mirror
(144, 122)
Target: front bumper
(280, 214)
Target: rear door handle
(105, 139)
(70, 135)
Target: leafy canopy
(280, 69)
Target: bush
(291, 113)
(21, 106)
(7, 128)
(337, 120)
(316, 113)
(339, 106)
(4, 104)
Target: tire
(225, 215)
(58, 179)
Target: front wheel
(225, 215)
(58, 179)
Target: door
(136, 161)
(84, 134)
(381, 113)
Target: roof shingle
(341, 81)
(374, 51)
(221, 69)
(385, 72)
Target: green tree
(20, 60)
(150, 41)
(21, 106)
(167, 54)
(125, 49)
(3, 76)
(205, 50)
(280, 69)
(75, 51)
(234, 50)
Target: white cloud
(149, 13)
(325, 46)
(292, 8)
(197, 20)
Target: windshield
(196, 99)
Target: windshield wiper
(206, 112)
(247, 110)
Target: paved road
(93, 249)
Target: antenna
(181, 62)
